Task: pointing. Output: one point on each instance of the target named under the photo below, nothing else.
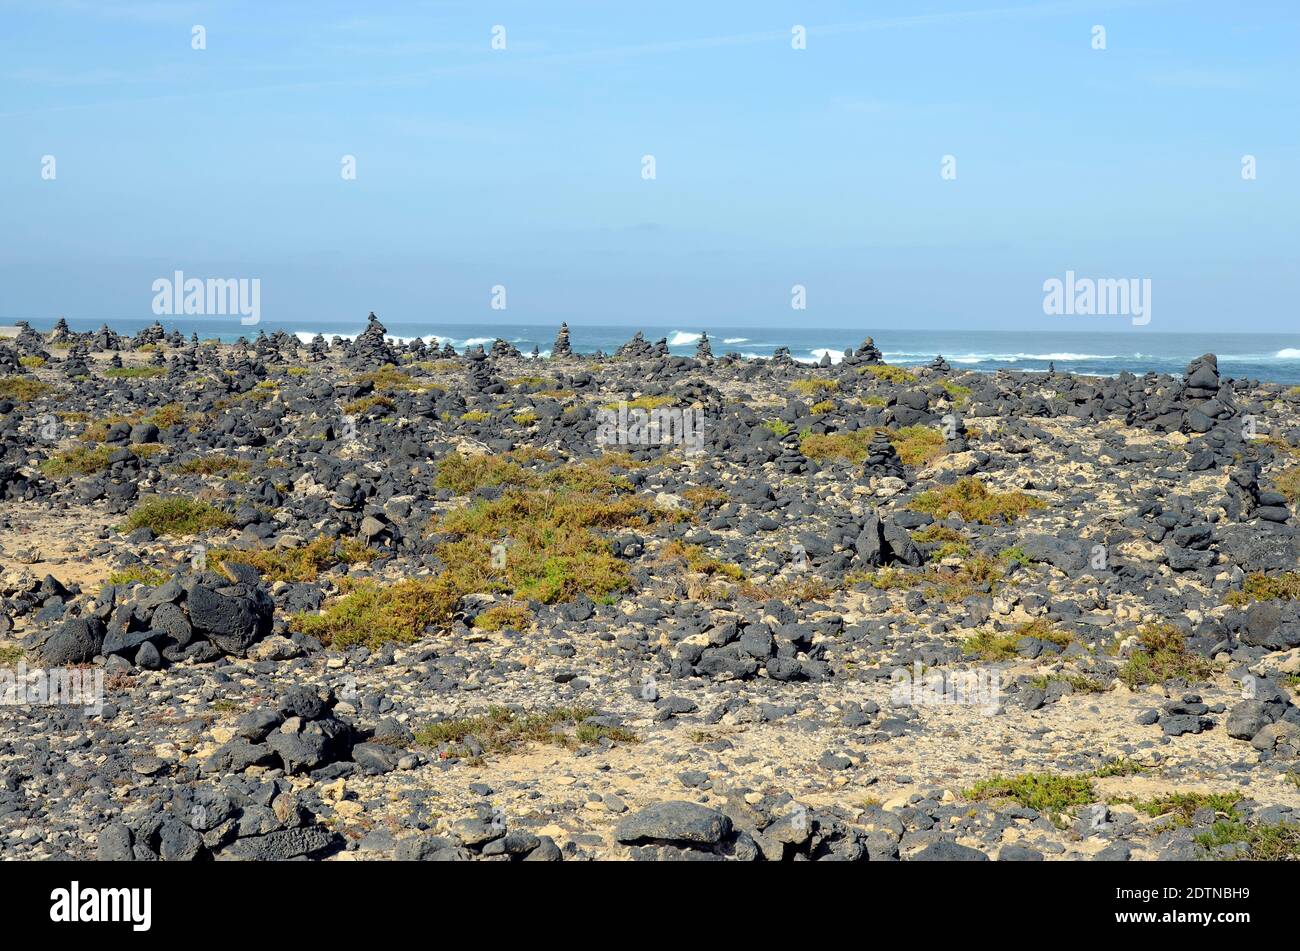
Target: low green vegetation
(1288, 483)
(538, 541)
(1161, 654)
(644, 402)
(1283, 586)
(991, 645)
(500, 616)
(389, 380)
(173, 414)
(301, 564)
(1078, 682)
(804, 590)
(1181, 807)
(437, 366)
(176, 516)
(464, 474)
(950, 542)
(814, 387)
(133, 373)
(80, 460)
(1119, 766)
(698, 560)
(1278, 443)
(139, 574)
(373, 615)
(1051, 793)
(366, 404)
(975, 574)
(917, 445)
(214, 464)
(23, 389)
(32, 363)
(1015, 555)
(501, 731)
(97, 430)
(975, 502)
(554, 552)
(1261, 843)
(702, 496)
(848, 447)
(890, 374)
(959, 394)
(11, 654)
(526, 381)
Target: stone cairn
(371, 347)
(882, 459)
(75, 365)
(562, 347)
(868, 353)
(636, 347)
(792, 460)
(703, 349)
(504, 348)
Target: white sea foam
(736, 340)
(681, 338)
(817, 354)
(972, 358)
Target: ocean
(1269, 357)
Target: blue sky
(523, 166)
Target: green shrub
(132, 373)
(1044, 792)
(502, 731)
(22, 389)
(141, 574)
(975, 502)
(1161, 654)
(176, 516)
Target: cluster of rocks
(235, 821)
(676, 830)
(300, 735)
(1185, 715)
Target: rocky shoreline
(354, 600)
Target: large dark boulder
(674, 821)
(283, 845)
(1065, 554)
(233, 618)
(73, 642)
